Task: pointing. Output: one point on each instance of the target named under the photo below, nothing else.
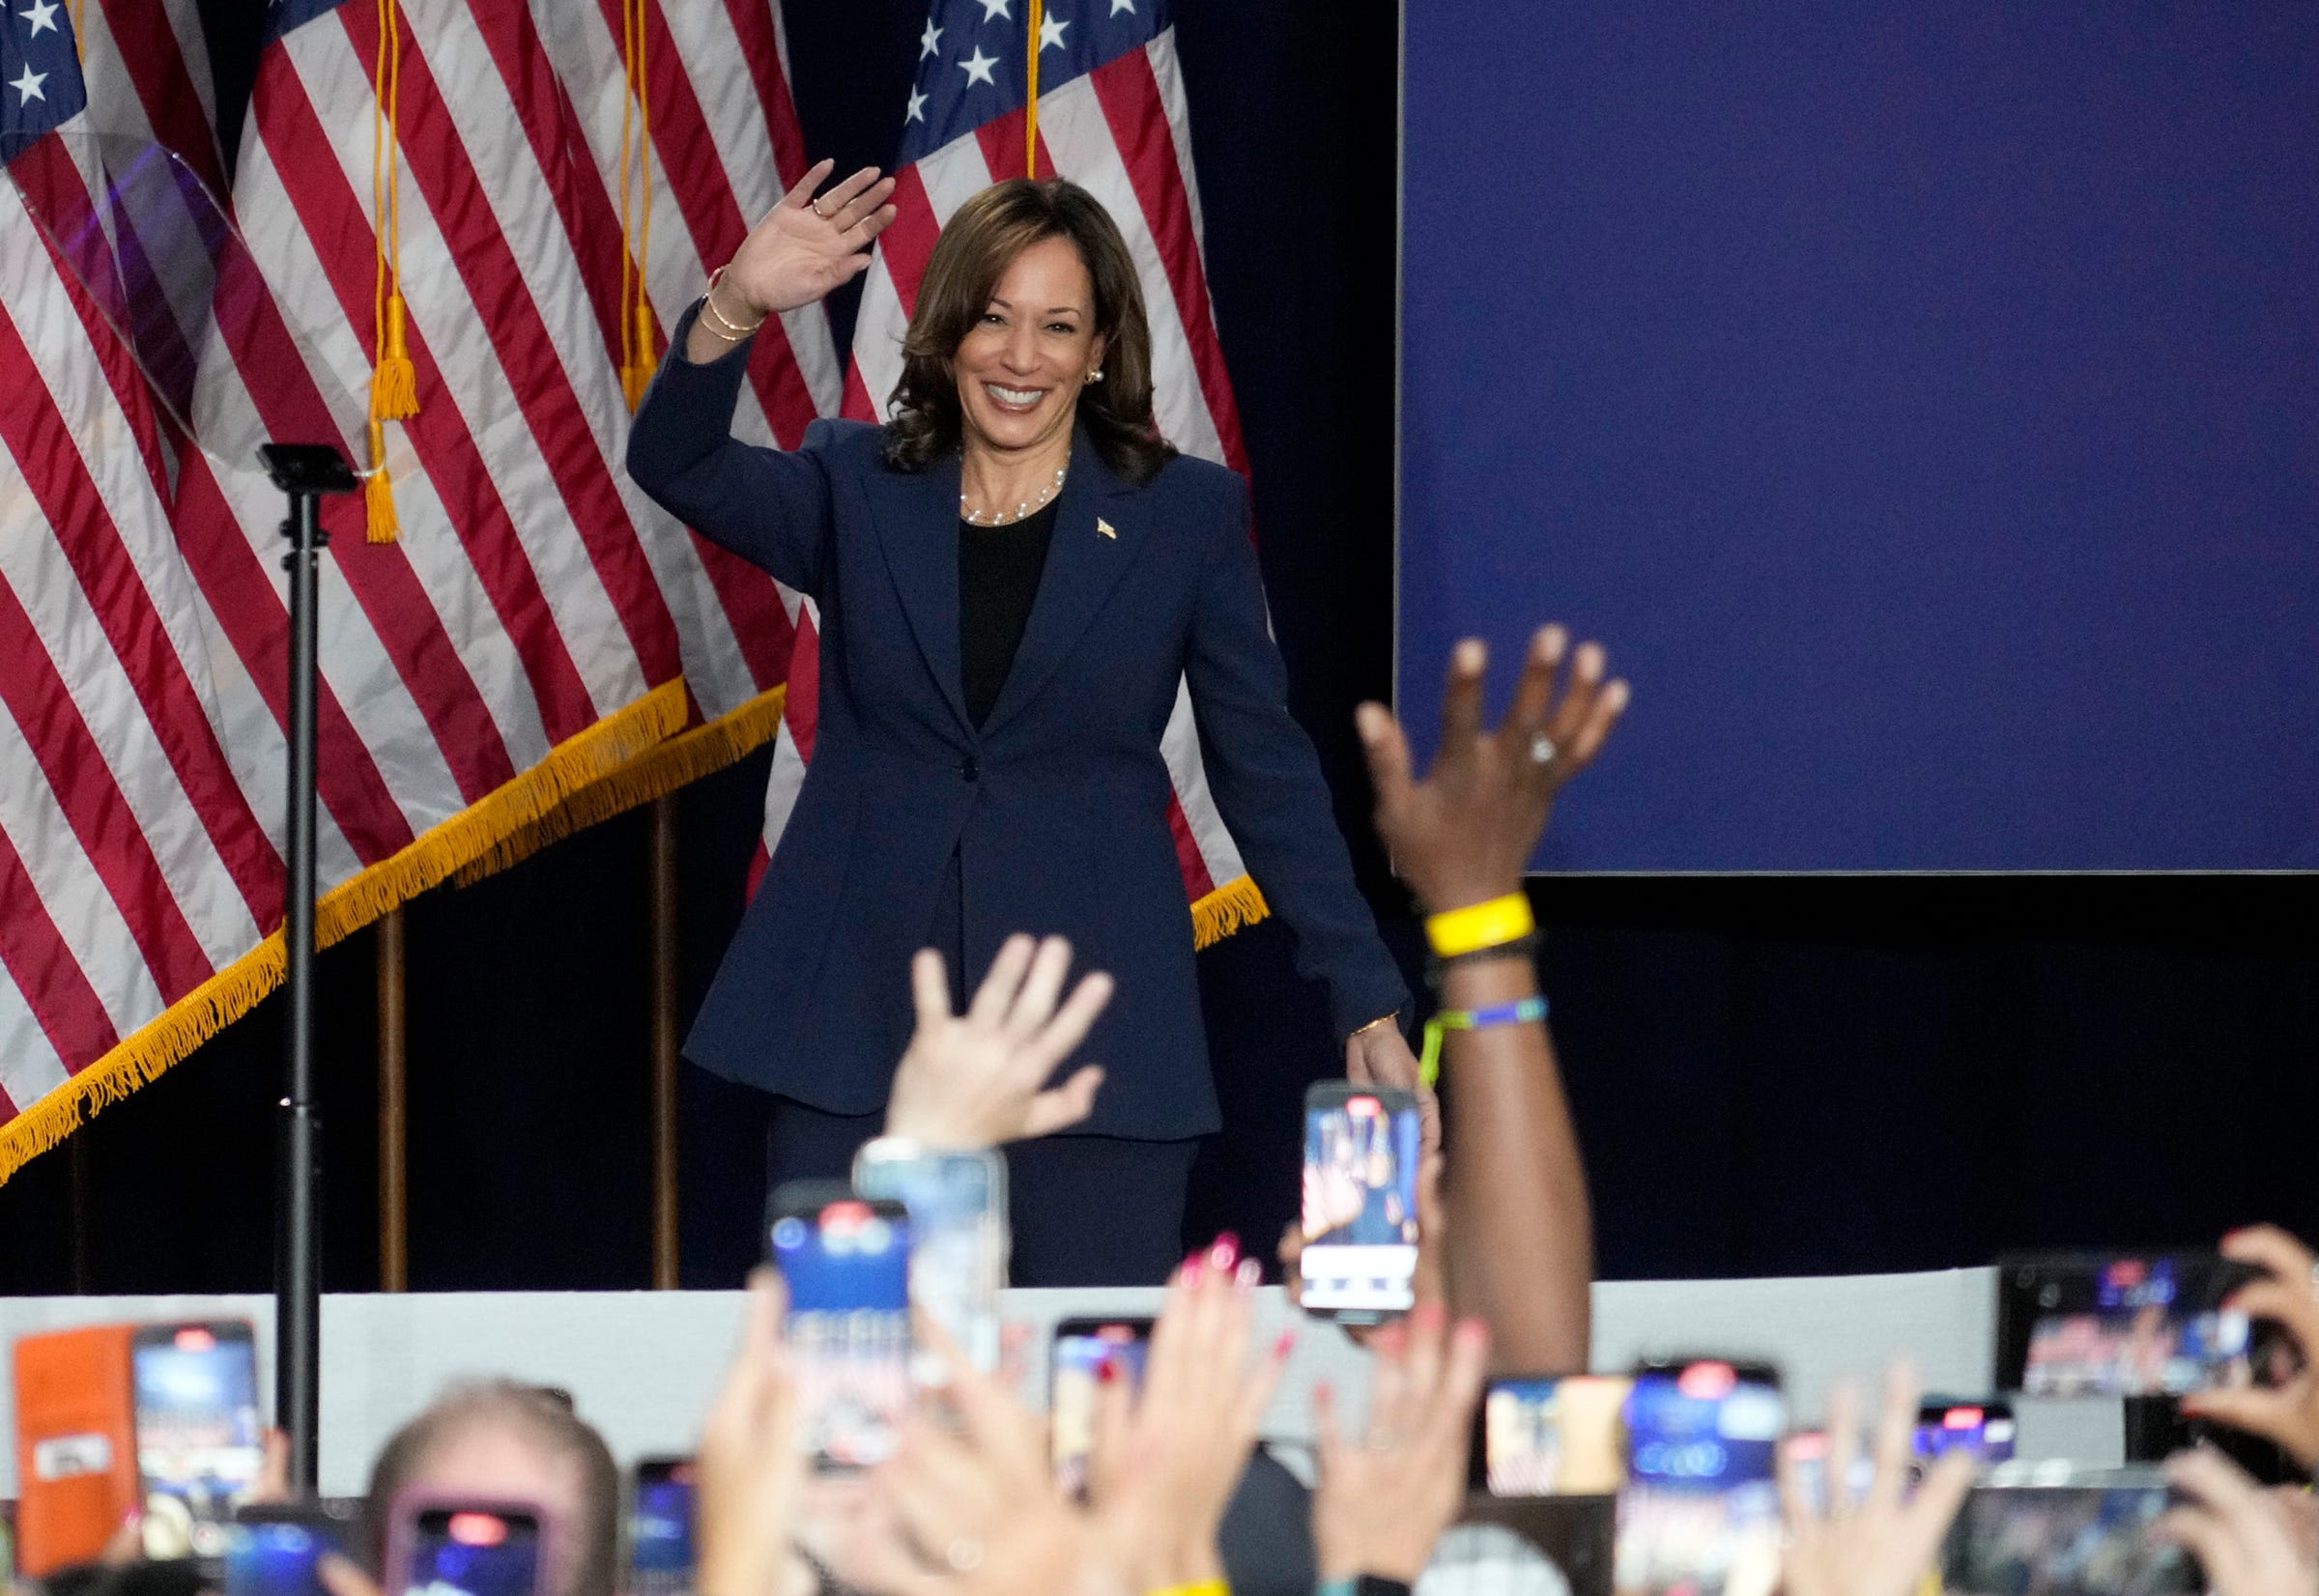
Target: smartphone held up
(846, 1262)
(1359, 1202)
(440, 1546)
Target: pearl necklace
(976, 518)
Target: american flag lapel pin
(1105, 526)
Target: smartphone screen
(1360, 1201)
(1082, 1347)
(471, 1551)
(1554, 1436)
(271, 1550)
(660, 1527)
(200, 1442)
(1699, 1512)
(2065, 1540)
(2120, 1325)
(957, 1206)
(847, 1260)
(1984, 1429)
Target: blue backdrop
(1922, 400)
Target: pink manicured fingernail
(1193, 1266)
(1226, 1251)
(1107, 1371)
(1249, 1272)
(1286, 1345)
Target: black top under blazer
(1056, 808)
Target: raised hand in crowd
(751, 1469)
(1882, 1544)
(2286, 1411)
(978, 1079)
(969, 1505)
(805, 246)
(1465, 833)
(1167, 1458)
(1520, 1250)
(2247, 1539)
(1383, 1499)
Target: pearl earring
(1096, 376)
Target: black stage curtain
(1771, 1075)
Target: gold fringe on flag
(438, 856)
(658, 771)
(1236, 903)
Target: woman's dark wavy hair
(974, 251)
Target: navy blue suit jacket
(1056, 806)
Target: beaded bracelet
(1527, 1010)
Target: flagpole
(1034, 24)
(394, 1109)
(666, 1252)
(304, 471)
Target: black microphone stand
(306, 471)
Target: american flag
(136, 879)
(539, 631)
(1111, 118)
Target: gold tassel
(377, 498)
(378, 490)
(643, 355)
(394, 384)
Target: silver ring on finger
(1541, 750)
(965, 1554)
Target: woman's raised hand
(807, 245)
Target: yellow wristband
(1198, 1587)
(1480, 925)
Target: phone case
(76, 1445)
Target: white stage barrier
(642, 1365)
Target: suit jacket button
(968, 769)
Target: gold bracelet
(1393, 1018)
(734, 332)
(709, 319)
(1479, 925)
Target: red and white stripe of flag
(726, 144)
(1123, 132)
(137, 878)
